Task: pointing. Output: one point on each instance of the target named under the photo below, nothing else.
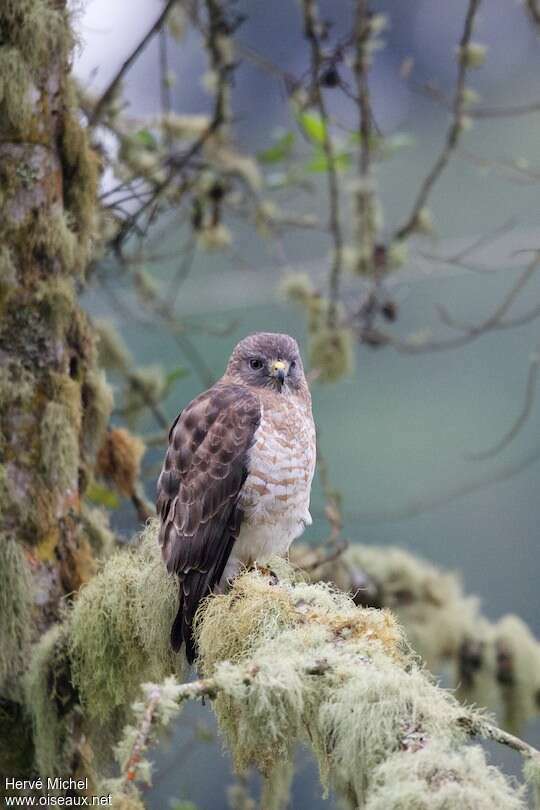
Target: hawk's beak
(279, 369)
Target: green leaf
(319, 162)
(313, 126)
(145, 138)
(102, 496)
(279, 151)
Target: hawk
(235, 484)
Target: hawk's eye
(255, 363)
(292, 364)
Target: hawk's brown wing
(205, 468)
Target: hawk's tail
(181, 630)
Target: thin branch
(311, 29)
(164, 79)
(364, 202)
(456, 127)
(488, 731)
(459, 258)
(498, 314)
(420, 506)
(433, 92)
(102, 102)
(211, 687)
(470, 332)
(509, 436)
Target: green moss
(16, 605)
(97, 398)
(297, 287)
(95, 525)
(531, 772)
(429, 602)
(54, 234)
(15, 82)
(517, 654)
(113, 353)
(332, 353)
(80, 167)
(120, 627)
(8, 275)
(49, 697)
(277, 786)
(56, 299)
(59, 447)
(340, 678)
(37, 28)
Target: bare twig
(489, 731)
(498, 314)
(433, 92)
(420, 506)
(189, 691)
(454, 132)
(311, 31)
(102, 102)
(364, 202)
(470, 332)
(509, 436)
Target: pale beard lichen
(48, 694)
(16, 603)
(119, 629)
(496, 665)
(331, 352)
(517, 659)
(299, 662)
(429, 602)
(439, 778)
(531, 773)
(114, 637)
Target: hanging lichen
(438, 778)
(119, 630)
(496, 665)
(340, 678)
(331, 347)
(16, 603)
(49, 698)
(531, 772)
(114, 637)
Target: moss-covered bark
(54, 405)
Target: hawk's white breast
(276, 493)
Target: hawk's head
(269, 360)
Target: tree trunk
(54, 405)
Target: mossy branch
(495, 664)
(291, 662)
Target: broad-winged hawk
(236, 481)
